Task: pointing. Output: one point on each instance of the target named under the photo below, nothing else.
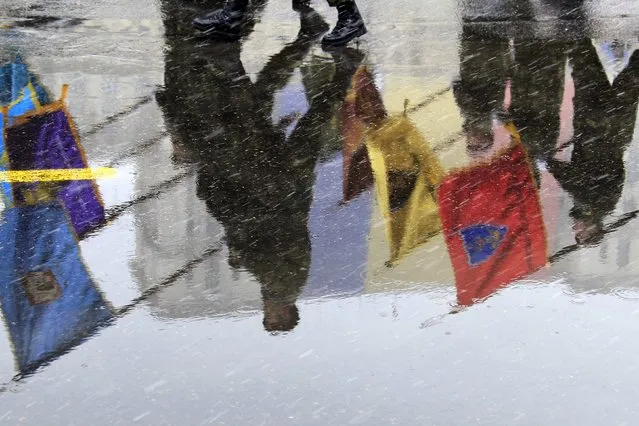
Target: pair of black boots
(226, 23)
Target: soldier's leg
(350, 24)
(537, 93)
(480, 89)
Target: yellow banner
(51, 175)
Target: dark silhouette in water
(256, 175)
(604, 120)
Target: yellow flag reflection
(407, 174)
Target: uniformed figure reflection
(604, 120)
(257, 145)
(532, 71)
(491, 63)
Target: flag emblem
(482, 241)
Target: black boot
(311, 23)
(223, 24)
(350, 25)
(300, 5)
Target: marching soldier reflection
(480, 89)
(257, 156)
(537, 87)
(534, 71)
(604, 120)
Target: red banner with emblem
(493, 224)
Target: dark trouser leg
(537, 93)
(596, 173)
(480, 89)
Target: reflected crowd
(512, 99)
(259, 143)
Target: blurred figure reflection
(604, 120)
(522, 78)
(257, 155)
(537, 93)
(480, 89)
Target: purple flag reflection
(47, 141)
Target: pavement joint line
(155, 191)
(115, 117)
(168, 281)
(428, 100)
(608, 229)
(447, 143)
(137, 149)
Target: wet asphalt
(433, 225)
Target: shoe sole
(213, 34)
(355, 35)
(199, 27)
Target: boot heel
(361, 32)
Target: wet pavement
(435, 225)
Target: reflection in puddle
(49, 300)
(493, 224)
(323, 189)
(262, 160)
(511, 103)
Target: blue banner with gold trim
(49, 301)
